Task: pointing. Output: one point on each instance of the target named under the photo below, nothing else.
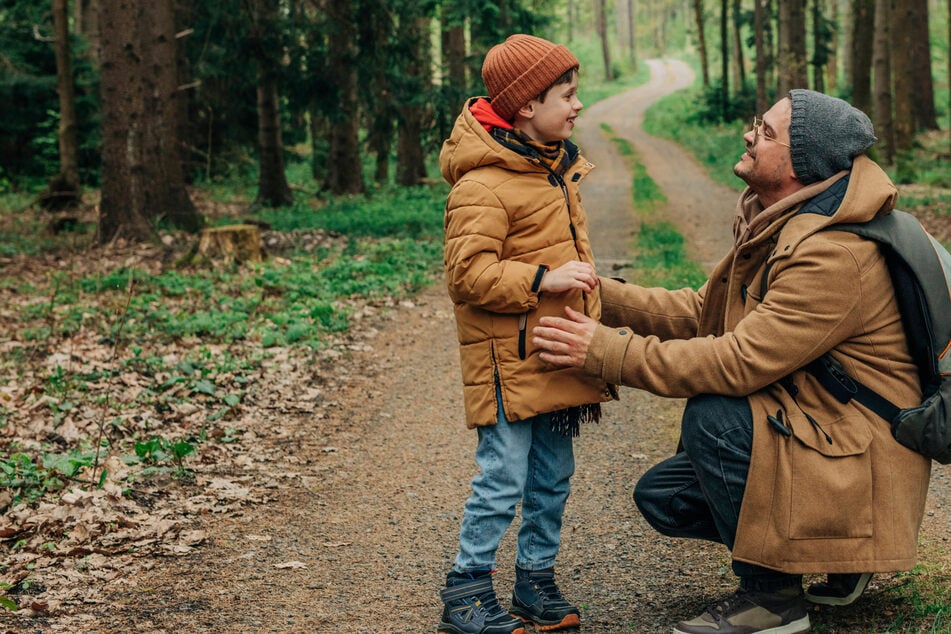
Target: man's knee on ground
(652, 504)
(708, 416)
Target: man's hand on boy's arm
(564, 341)
(568, 276)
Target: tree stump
(231, 243)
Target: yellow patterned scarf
(553, 155)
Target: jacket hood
(850, 196)
(870, 193)
(471, 145)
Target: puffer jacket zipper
(522, 335)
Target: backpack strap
(833, 377)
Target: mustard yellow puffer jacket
(508, 220)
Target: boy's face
(553, 119)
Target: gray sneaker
(745, 612)
(838, 589)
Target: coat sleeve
(810, 308)
(476, 225)
(651, 311)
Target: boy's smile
(553, 119)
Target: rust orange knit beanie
(520, 68)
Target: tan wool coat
(507, 221)
(852, 502)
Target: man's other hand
(564, 341)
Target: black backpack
(921, 273)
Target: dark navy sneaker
(838, 589)
(536, 599)
(471, 607)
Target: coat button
(622, 332)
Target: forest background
(133, 127)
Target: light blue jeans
(525, 462)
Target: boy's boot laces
(471, 607)
(536, 599)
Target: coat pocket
(831, 483)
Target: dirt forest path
(358, 484)
(700, 208)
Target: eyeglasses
(757, 126)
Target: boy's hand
(570, 275)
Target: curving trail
(702, 209)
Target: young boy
(517, 249)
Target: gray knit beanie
(825, 134)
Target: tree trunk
(63, 191)
(901, 34)
(702, 42)
(770, 44)
(456, 56)
(759, 23)
(632, 34)
(818, 58)
(455, 82)
(792, 60)
(86, 21)
(863, 30)
(832, 67)
(142, 179)
(375, 72)
(602, 28)
(344, 169)
(724, 59)
(168, 200)
(739, 63)
(411, 158)
(925, 117)
(273, 189)
(319, 130)
(660, 29)
(122, 209)
(881, 70)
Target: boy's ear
(528, 110)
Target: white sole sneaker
(825, 599)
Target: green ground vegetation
(191, 333)
(660, 257)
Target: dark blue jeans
(698, 492)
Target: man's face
(767, 166)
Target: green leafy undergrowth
(293, 300)
(393, 212)
(151, 364)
